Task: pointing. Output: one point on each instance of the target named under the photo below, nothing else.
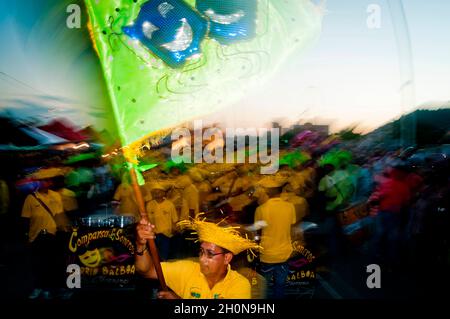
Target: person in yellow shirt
(38, 212)
(211, 277)
(163, 214)
(276, 236)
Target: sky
(350, 76)
(48, 70)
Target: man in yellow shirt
(38, 213)
(276, 236)
(39, 218)
(209, 278)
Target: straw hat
(225, 237)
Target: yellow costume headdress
(225, 237)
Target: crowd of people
(406, 205)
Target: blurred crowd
(403, 206)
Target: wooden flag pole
(151, 242)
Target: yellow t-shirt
(276, 236)
(163, 215)
(38, 215)
(186, 280)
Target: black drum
(103, 246)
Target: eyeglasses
(209, 254)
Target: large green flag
(167, 62)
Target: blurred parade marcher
(211, 277)
(392, 196)
(276, 236)
(154, 175)
(364, 183)
(39, 213)
(337, 189)
(125, 198)
(337, 185)
(163, 214)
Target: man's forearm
(144, 263)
